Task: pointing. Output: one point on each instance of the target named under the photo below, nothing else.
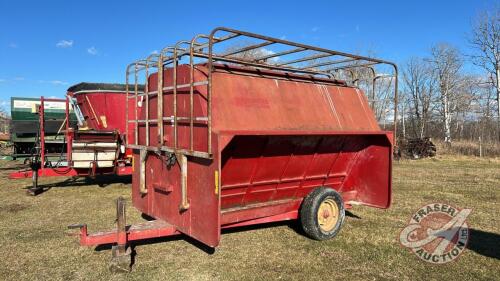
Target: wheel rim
(328, 214)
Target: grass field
(35, 245)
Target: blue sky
(46, 46)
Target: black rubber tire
(309, 211)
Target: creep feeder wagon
(229, 136)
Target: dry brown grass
(34, 244)
(468, 148)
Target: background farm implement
(94, 146)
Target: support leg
(142, 170)
(35, 169)
(121, 253)
(183, 163)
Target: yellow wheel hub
(328, 215)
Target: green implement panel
(25, 119)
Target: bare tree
(465, 102)
(240, 51)
(420, 87)
(446, 63)
(4, 120)
(485, 39)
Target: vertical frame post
(127, 100)
(395, 102)
(209, 90)
(42, 133)
(67, 134)
(159, 100)
(174, 85)
(146, 94)
(136, 131)
(191, 94)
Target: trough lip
(304, 132)
(99, 87)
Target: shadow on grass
(292, 224)
(351, 215)
(100, 180)
(484, 243)
(207, 249)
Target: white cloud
(13, 45)
(267, 52)
(154, 52)
(58, 82)
(64, 44)
(92, 50)
(283, 37)
(53, 82)
(314, 29)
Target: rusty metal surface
(236, 137)
(146, 230)
(204, 47)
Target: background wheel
(322, 213)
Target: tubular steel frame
(201, 47)
(170, 57)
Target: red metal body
(234, 142)
(71, 172)
(103, 111)
(274, 141)
(260, 173)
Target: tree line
(439, 98)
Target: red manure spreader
(95, 147)
(230, 134)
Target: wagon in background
(93, 141)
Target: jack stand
(121, 260)
(35, 189)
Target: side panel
(266, 168)
(250, 103)
(162, 200)
(104, 111)
(371, 174)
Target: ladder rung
(169, 119)
(201, 83)
(171, 150)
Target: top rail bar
(270, 56)
(309, 57)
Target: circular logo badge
(437, 233)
